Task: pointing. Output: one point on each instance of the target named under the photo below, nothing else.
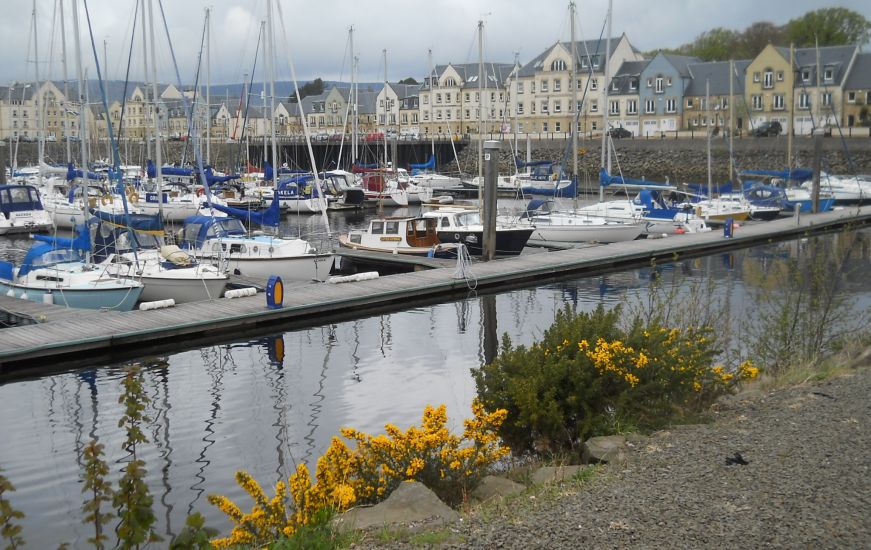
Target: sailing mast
(208, 86)
(732, 118)
(263, 102)
(83, 120)
(145, 79)
(708, 117)
(158, 161)
(64, 121)
(431, 97)
(40, 139)
(352, 95)
(480, 108)
(791, 109)
(573, 84)
(270, 69)
(386, 107)
(606, 143)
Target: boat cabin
(199, 229)
(18, 198)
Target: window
(477, 97)
(594, 106)
(827, 99)
(426, 115)
(450, 82)
(756, 76)
(633, 84)
(558, 65)
(381, 104)
(520, 127)
(780, 76)
(468, 114)
(596, 61)
(438, 98)
(668, 81)
(519, 109)
(828, 74)
(519, 89)
(778, 102)
(557, 127)
(492, 96)
(632, 107)
(805, 75)
(614, 108)
(532, 107)
(649, 106)
(584, 63)
(614, 87)
(448, 114)
(768, 79)
(594, 84)
(544, 126)
(804, 101)
(544, 85)
(689, 103)
(438, 115)
(659, 84)
(544, 106)
(580, 106)
(650, 83)
(557, 106)
(851, 97)
(756, 102)
(670, 105)
(557, 85)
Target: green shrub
(588, 376)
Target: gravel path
(807, 483)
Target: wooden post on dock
(818, 153)
(491, 174)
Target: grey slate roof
(834, 57)
(497, 74)
(681, 63)
(404, 90)
(629, 72)
(860, 74)
(585, 49)
(717, 73)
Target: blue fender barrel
(274, 293)
(727, 228)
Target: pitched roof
(681, 62)
(831, 57)
(716, 73)
(860, 74)
(628, 73)
(589, 49)
(497, 74)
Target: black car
(619, 132)
(771, 128)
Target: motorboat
(574, 226)
(459, 225)
(21, 210)
(413, 236)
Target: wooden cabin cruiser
(413, 236)
(458, 225)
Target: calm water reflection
(273, 402)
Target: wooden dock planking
(66, 333)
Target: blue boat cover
(73, 173)
(606, 179)
(797, 174)
(269, 217)
(702, 188)
(428, 165)
(151, 170)
(136, 222)
(46, 244)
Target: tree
(756, 37)
(715, 44)
(832, 26)
(315, 87)
(408, 80)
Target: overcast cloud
(318, 37)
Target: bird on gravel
(737, 459)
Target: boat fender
(106, 199)
(201, 191)
(48, 298)
(366, 276)
(157, 304)
(240, 292)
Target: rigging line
(247, 104)
(127, 74)
(116, 155)
(187, 109)
(190, 120)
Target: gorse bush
(588, 376)
(448, 464)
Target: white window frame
(659, 85)
(632, 107)
(649, 106)
(671, 105)
(614, 107)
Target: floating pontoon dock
(57, 335)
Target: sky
(316, 38)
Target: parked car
(619, 132)
(770, 128)
(375, 136)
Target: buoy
(680, 231)
(47, 298)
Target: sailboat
(257, 254)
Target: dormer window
(829, 74)
(805, 75)
(558, 65)
(450, 82)
(633, 84)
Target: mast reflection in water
(268, 404)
